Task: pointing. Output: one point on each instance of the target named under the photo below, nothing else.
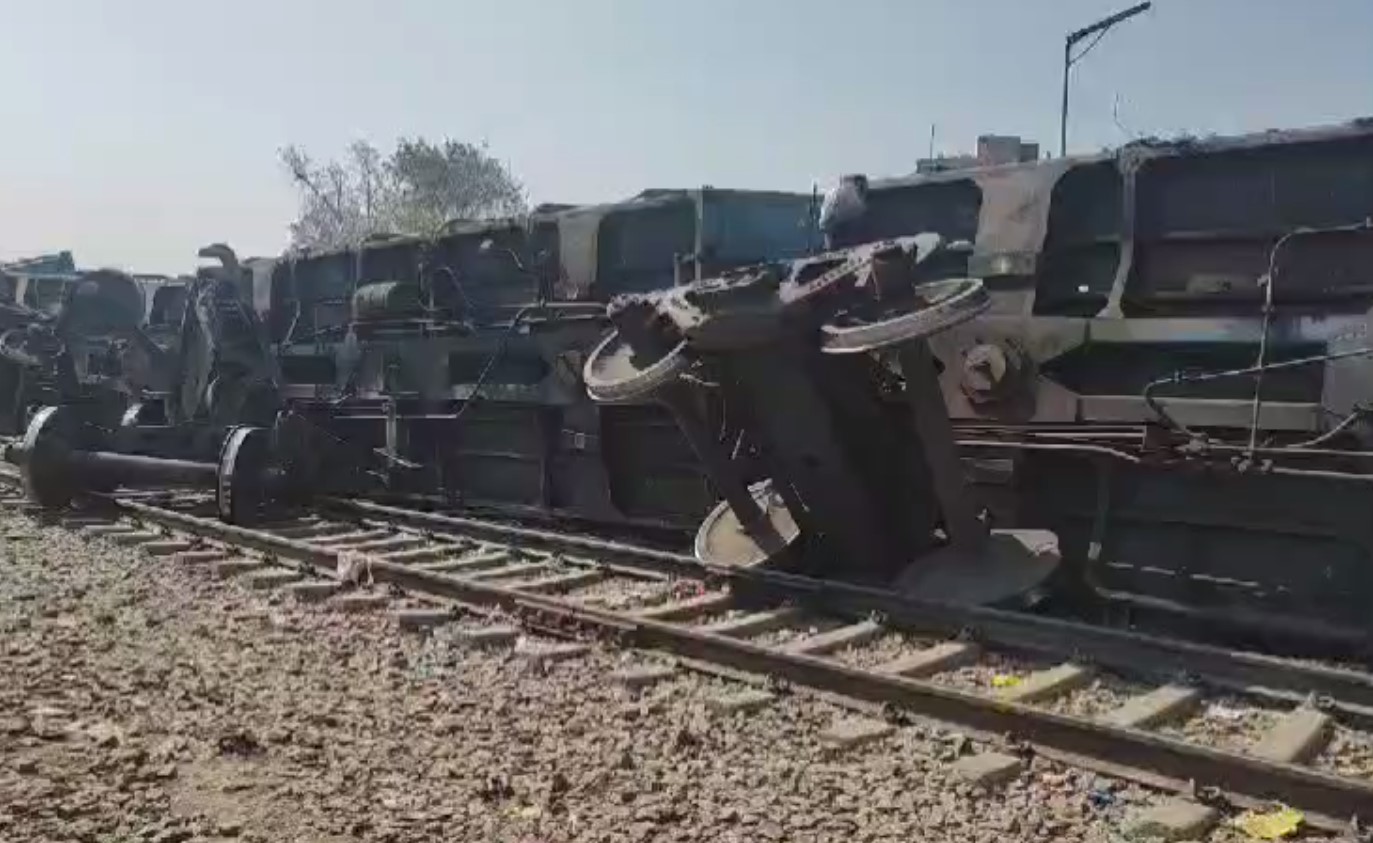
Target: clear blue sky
(136, 131)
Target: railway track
(1118, 703)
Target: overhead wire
(1087, 49)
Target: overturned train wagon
(1173, 372)
(1199, 312)
(449, 368)
(66, 336)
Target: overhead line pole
(1069, 59)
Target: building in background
(991, 151)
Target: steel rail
(1350, 693)
(1328, 801)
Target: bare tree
(414, 190)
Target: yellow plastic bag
(527, 812)
(1270, 825)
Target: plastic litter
(1224, 712)
(1270, 825)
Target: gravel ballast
(145, 701)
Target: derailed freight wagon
(450, 367)
(1174, 374)
(1215, 293)
(1171, 374)
(69, 335)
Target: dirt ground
(143, 701)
